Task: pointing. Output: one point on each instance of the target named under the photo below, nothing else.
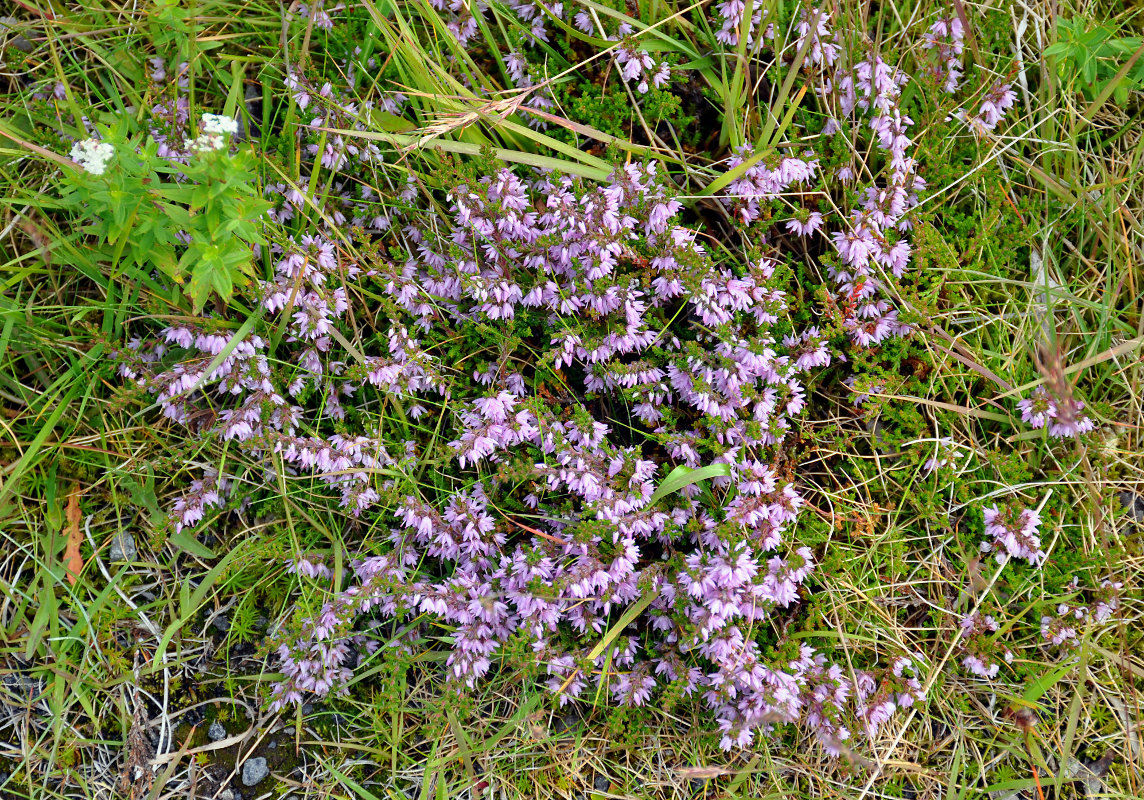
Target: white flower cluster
(217, 123)
(92, 155)
(214, 127)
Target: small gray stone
(226, 794)
(254, 770)
(565, 722)
(221, 623)
(273, 744)
(601, 783)
(216, 731)
(7, 26)
(122, 548)
(1132, 503)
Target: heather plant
(615, 254)
(703, 379)
(602, 290)
(551, 523)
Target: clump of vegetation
(446, 391)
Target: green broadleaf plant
(197, 222)
(1094, 58)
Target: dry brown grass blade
(38, 236)
(73, 560)
(703, 773)
(958, 353)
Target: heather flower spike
(1062, 417)
(1014, 534)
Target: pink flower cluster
(316, 12)
(729, 15)
(872, 242)
(978, 648)
(632, 309)
(1014, 534)
(997, 101)
(1062, 416)
(461, 17)
(523, 76)
(204, 493)
(946, 454)
(605, 346)
(863, 100)
(1066, 627)
(333, 151)
(981, 651)
(946, 39)
(636, 65)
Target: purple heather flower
(1016, 533)
(999, 99)
(946, 39)
(546, 531)
(945, 454)
(1062, 416)
(976, 646)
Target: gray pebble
(226, 794)
(254, 770)
(221, 623)
(1091, 773)
(8, 25)
(565, 722)
(273, 744)
(216, 731)
(1132, 503)
(601, 783)
(122, 548)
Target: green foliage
(1091, 57)
(606, 106)
(197, 222)
(172, 26)
(894, 543)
